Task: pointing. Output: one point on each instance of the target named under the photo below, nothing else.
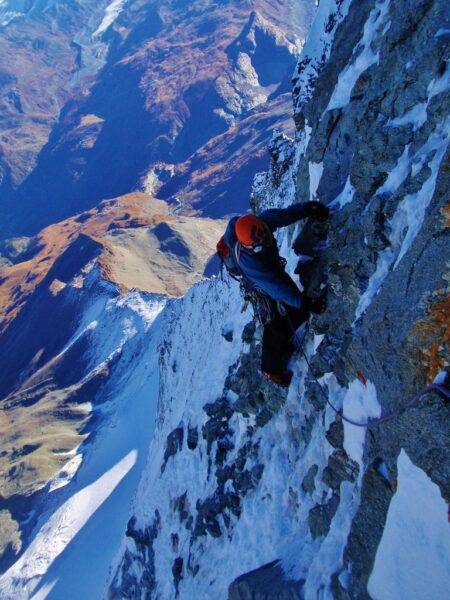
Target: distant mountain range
(178, 99)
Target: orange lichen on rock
(440, 316)
(425, 341)
(446, 211)
(431, 335)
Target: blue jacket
(260, 270)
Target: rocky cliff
(252, 492)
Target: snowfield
(415, 541)
(80, 538)
(80, 533)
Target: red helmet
(250, 230)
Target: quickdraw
(263, 309)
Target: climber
(249, 251)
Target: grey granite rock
(266, 583)
(174, 443)
(308, 483)
(340, 468)
(320, 516)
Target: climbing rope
(434, 387)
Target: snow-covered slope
(85, 507)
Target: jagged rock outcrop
(265, 583)
(378, 130)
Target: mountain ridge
(162, 71)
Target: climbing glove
(316, 211)
(315, 305)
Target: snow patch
(346, 196)
(315, 175)
(398, 174)
(411, 210)
(417, 115)
(329, 557)
(317, 341)
(67, 473)
(412, 558)
(439, 85)
(64, 525)
(112, 11)
(44, 592)
(317, 48)
(441, 377)
(359, 404)
(365, 58)
(147, 311)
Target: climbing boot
(282, 380)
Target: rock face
(281, 470)
(100, 99)
(265, 583)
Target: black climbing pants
(277, 344)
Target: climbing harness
(434, 387)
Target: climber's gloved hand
(316, 211)
(316, 306)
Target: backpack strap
(237, 252)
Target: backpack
(226, 259)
